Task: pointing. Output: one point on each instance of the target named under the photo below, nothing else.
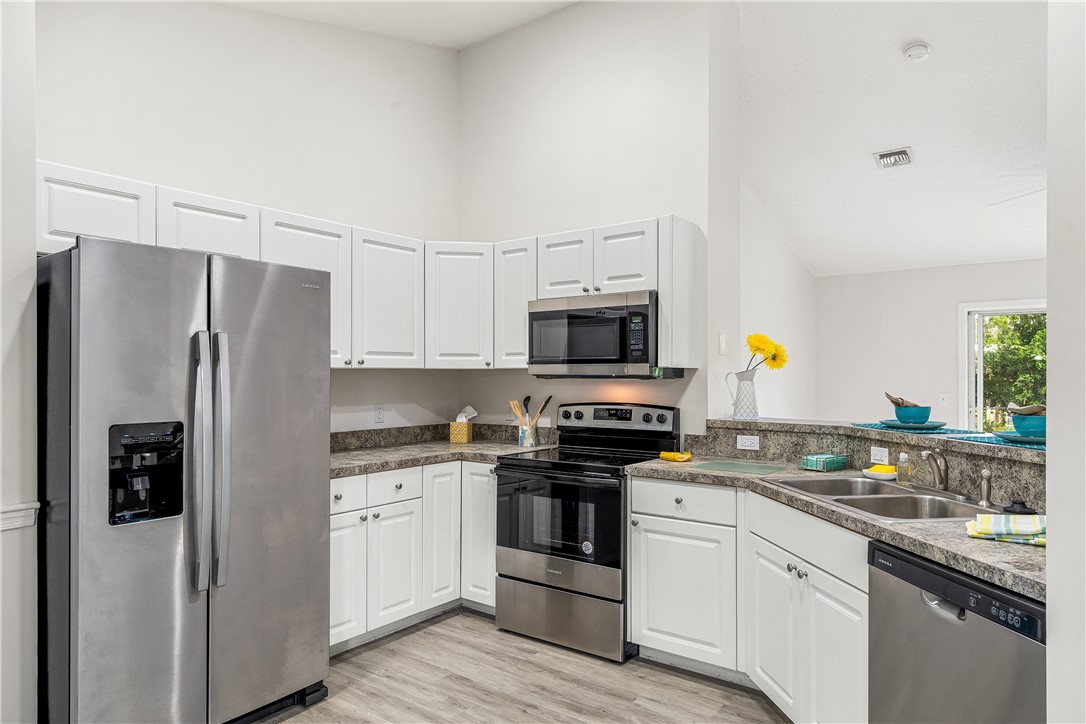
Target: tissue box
(459, 432)
(824, 463)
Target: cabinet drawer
(835, 550)
(393, 486)
(670, 499)
(347, 494)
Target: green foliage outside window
(1014, 365)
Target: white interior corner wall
(1066, 502)
(872, 338)
(595, 114)
(409, 397)
(779, 299)
(282, 113)
(18, 403)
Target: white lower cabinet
(440, 534)
(394, 563)
(807, 637)
(347, 600)
(479, 529)
(683, 597)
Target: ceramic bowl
(914, 415)
(1029, 425)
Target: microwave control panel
(637, 340)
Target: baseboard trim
(18, 515)
(389, 629)
(681, 662)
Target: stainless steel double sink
(884, 500)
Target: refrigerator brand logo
(309, 285)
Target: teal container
(1030, 425)
(914, 415)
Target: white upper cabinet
(514, 287)
(459, 305)
(72, 201)
(388, 316)
(188, 220)
(625, 257)
(565, 264)
(315, 244)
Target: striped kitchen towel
(1026, 529)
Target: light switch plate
(723, 344)
(880, 456)
(378, 412)
(747, 442)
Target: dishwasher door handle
(943, 607)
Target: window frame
(967, 358)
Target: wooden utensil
(515, 404)
(539, 412)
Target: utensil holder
(459, 432)
(526, 435)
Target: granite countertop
(394, 457)
(1019, 568)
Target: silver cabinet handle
(363, 518)
(678, 501)
(633, 522)
(338, 496)
(596, 288)
(399, 486)
(584, 289)
(206, 465)
(492, 471)
(361, 361)
(487, 364)
(376, 516)
(801, 574)
(347, 362)
(221, 352)
(792, 568)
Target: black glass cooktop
(577, 459)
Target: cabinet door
(440, 534)
(682, 588)
(565, 264)
(459, 305)
(835, 626)
(315, 244)
(188, 220)
(514, 287)
(625, 257)
(347, 602)
(388, 316)
(773, 610)
(479, 526)
(72, 201)
(394, 566)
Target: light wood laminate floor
(461, 668)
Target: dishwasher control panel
(1003, 614)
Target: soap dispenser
(904, 469)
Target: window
(1005, 360)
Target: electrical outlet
(747, 442)
(880, 456)
(379, 412)
(509, 416)
(944, 399)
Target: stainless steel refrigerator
(183, 444)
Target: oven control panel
(619, 416)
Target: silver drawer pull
(633, 522)
(376, 516)
(363, 518)
(801, 574)
(399, 486)
(792, 567)
(678, 501)
(338, 496)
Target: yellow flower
(778, 358)
(760, 344)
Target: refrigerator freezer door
(139, 642)
(269, 622)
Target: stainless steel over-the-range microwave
(603, 335)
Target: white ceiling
(825, 85)
(452, 25)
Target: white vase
(744, 399)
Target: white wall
(1066, 504)
(595, 114)
(779, 299)
(897, 332)
(409, 397)
(18, 403)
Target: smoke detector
(917, 52)
(897, 157)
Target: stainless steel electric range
(562, 536)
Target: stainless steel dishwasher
(946, 647)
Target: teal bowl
(1029, 425)
(913, 415)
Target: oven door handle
(562, 478)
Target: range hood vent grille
(897, 157)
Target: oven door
(561, 530)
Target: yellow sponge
(676, 457)
(882, 469)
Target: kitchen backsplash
(384, 437)
(1016, 472)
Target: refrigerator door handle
(226, 436)
(206, 464)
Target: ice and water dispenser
(146, 471)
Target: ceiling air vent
(897, 157)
